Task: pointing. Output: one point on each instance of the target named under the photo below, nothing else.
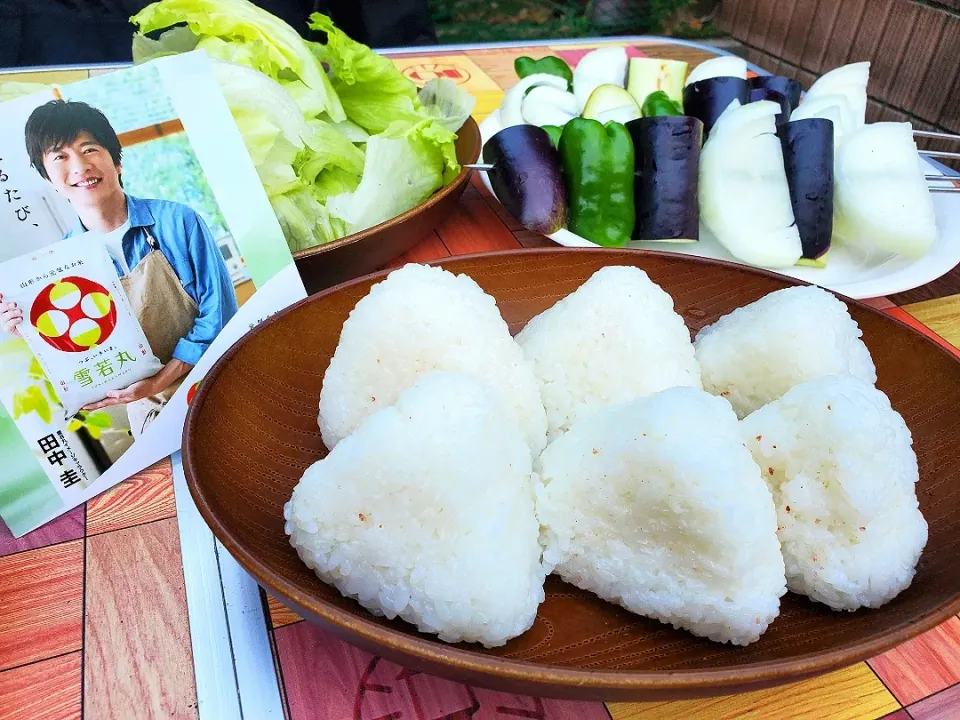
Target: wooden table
(93, 610)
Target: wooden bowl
(252, 431)
(364, 252)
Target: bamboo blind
(913, 47)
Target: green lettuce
(305, 221)
(373, 92)
(403, 166)
(444, 101)
(336, 150)
(250, 36)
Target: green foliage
(470, 21)
(95, 422)
(168, 168)
(33, 392)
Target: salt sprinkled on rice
(840, 463)
(615, 338)
(656, 504)
(756, 353)
(426, 512)
(420, 319)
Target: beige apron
(166, 313)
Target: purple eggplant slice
(667, 163)
(787, 87)
(808, 160)
(526, 177)
(707, 99)
(783, 116)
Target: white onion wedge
(831, 107)
(511, 109)
(847, 80)
(881, 200)
(605, 66)
(725, 66)
(744, 195)
(548, 105)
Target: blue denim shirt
(193, 254)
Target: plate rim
(551, 680)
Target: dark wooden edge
(548, 680)
(470, 132)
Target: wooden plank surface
(145, 497)
(327, 679)
(942, 706)
(280, 614)
(913, 48)
(41, 603)
(849, 694)
(941, 315)
(923, 666)
(138, 660)
(66, 527)
(45, 690)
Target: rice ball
(615, 338)
(420, 319)
(841, 466)
(756, 353)
(657, 505)
(426, 512)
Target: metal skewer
(936, 135)
(941, 154)
(487, 167)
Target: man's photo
(171, 268)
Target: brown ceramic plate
(252, 430)
(364, 252)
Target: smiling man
(170, 265)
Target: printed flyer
(136, 246)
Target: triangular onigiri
(418, 320)
(426, 512)
(655, 504)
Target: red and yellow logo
(74, 314)
(191, 393)
(424, 72)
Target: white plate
(846, 272)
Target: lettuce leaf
(305, 221)
(172, 42)
(446, 103)
(336, 152)
(403, 166)
(249, 36)
(331, 148)
(373, 92)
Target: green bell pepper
(551, 65)
(598, 171)
(554, 131)
(659, 104)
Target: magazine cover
(136, 245)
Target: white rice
(426, 512)
(420, 319)
(615, 338)
(840, 463)
(756, 353)
(656, 504)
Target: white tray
(846, 272)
